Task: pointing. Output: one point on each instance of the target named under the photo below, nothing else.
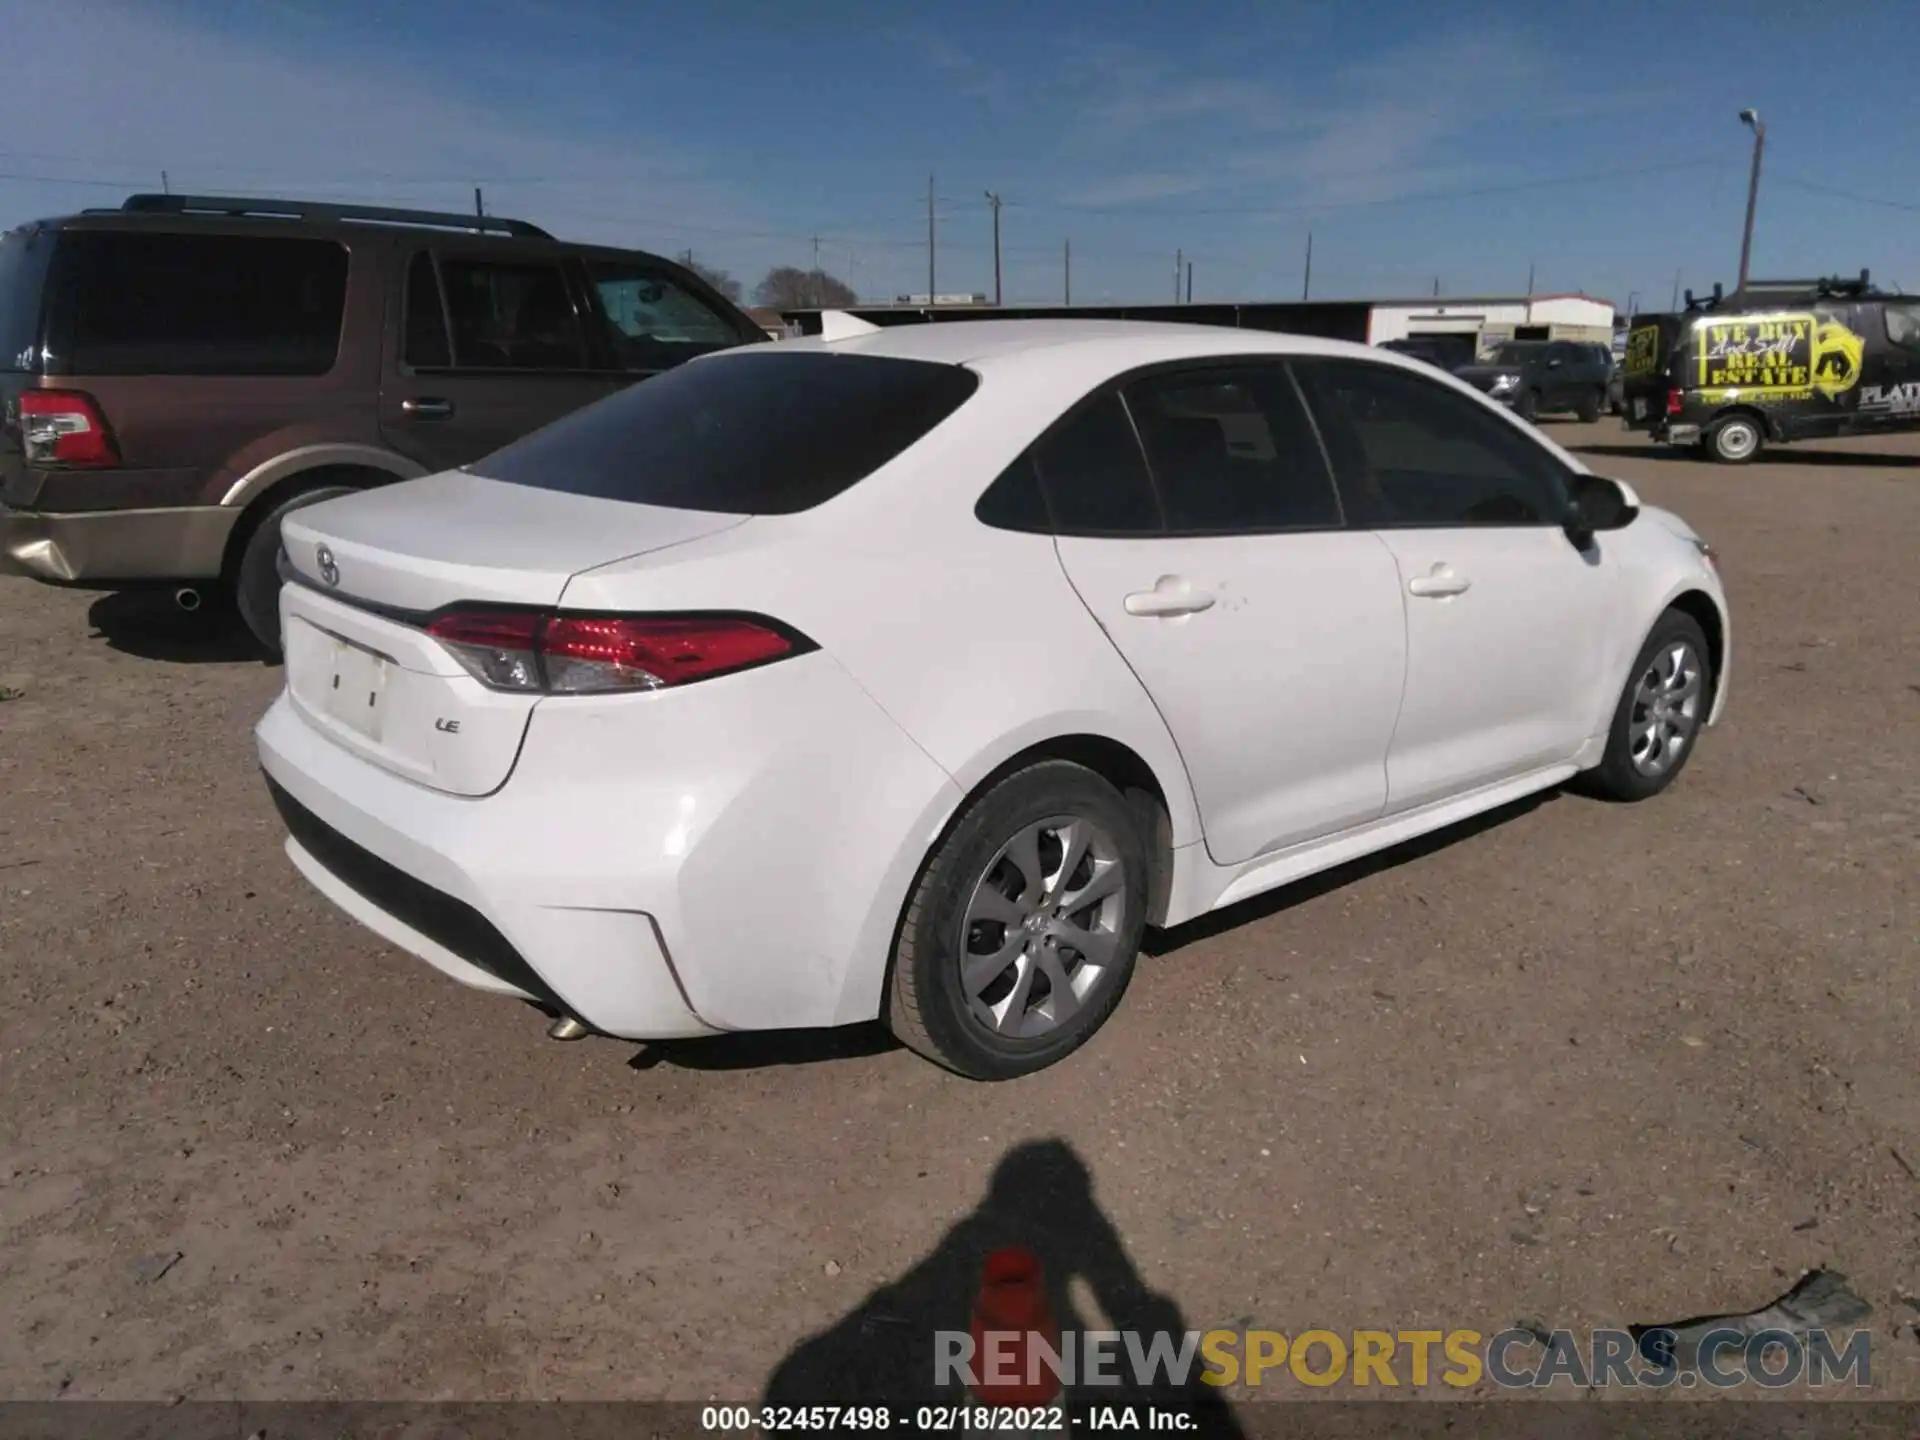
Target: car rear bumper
(657, 865)
(103, 547)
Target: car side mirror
(1598, 504)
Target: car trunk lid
(367, 573)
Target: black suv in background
(180, 373)
(1537, 376)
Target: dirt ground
(1580, 1065)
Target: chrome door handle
(1440, 584)
(1170, 596)
(427, 409)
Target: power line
(1518, 187)
(1844, 194)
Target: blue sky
(1596, 143)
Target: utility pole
(1752, 119)
(994, 201)
(930, 290)
(1189, 282)
(1529, 279)
(479, 210)
(165, 188)
(1067, 275)
(816, 254)
(1178, 263)
(1436, 286)
(1676, 292)
(1306, 283)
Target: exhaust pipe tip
(567, 1028)
(187, 598)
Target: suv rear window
(747, 434)
(146, 303)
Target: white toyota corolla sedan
(907, 674)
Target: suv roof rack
(322, 210)
(1786, 290)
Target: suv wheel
(1591, 405)
(1527, 407)
(1735, 440)
(256, 576)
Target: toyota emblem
(329, 570)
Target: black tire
(1590, 406)
(1527, 407)
(927, 1007)
(256, 569)
(1618, 776)
(1735, 440)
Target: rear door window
(1233, 452)
(425, 345)
(754, 434)
(1093, 475)
(149, 303)
(653, 322)
(512, 315)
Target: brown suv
(181, 372)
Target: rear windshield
(147, 303)
(745, 434)
(23, 265)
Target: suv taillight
(1675, 400)
(606, 654)
(65, 427)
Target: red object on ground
(1010, 1313)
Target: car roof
(1124, 343)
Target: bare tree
(789, 288)
(716, 277)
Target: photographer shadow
(885, 1352)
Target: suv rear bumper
(187, 542)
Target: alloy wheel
(1666, 710)
(1041, 931)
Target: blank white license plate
(359, 678)
(1640, 409)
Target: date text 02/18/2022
(943, 1419)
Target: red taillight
(1675, 399)
(65, 427)
(598, 654)
(585, 653)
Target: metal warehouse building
(1489, 319)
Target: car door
(1563, 379)
(1508, 623)
(1890, 378)
(488, 348)
(1269, 636)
